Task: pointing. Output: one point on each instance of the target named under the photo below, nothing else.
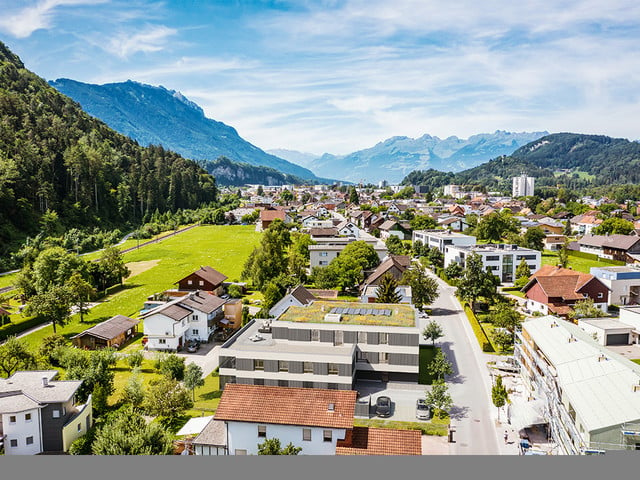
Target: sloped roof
(380, 441)
(323, 232)
(214, 433)
(209, 274)
(617, 241)
(401, 262)
(287, 406)
(388, 225)
(303, 295)
(560, 282)
(203, 302)
(110, 328)
(30, 384)
(270, 215)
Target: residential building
(394, 265)
(608, 331)
(395, 228)
(370, 294)
(41, 415)
(192, 317)
(312, 419)
(114, 332)
(625, 248)
(205, 278)
(502, 259)
(523, 186)
(325, 344)
(442, 238)
(380, 441)
(590, 395)
(554, 242)
(623, 283)
(268, 216)
(212, 440)
(298, 297)
(326, 249)
(585, 223)
(555, 290)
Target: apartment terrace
(378, 314)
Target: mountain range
(154, 115)
(395, 157)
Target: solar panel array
(361, 311)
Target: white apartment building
(325, 345)
(442, 238)
(326, 249)
(522, 186)
(591, 395)
(502, 259)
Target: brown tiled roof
(380, 441)
(110, 328)
(617, 241)
(270, 215)
(398, 261)
(203, 302)
(560, 282)
(303, 295)
(209, 274)
(287, 406)
(323, 293)
(323, 232)
(175, 312)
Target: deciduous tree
(271, 446)
(167, 398)
(424, 288)
(193, 378)
(433, 331)
(439, 397)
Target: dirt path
(137, 268)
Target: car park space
(403, 398)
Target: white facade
(22, 431)
(244, 437)
(622, 281)
(441, 238)
(502, 259)
(523, 186)
(165, 333)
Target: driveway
(206, 357)
(403, 397)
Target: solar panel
(351, 311)
(386, 312)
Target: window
(29, 440)
(14, 442)
(283, 366)
(189, 282)
(326, 435)
(383, 338)
(258, 364)
(283, 383)
(384, 357)
(56, 414)
(262, 430)
(307, 384)
(12, 419)
(333, 369)
(201, 283)
(324, 254)
(599, 294)
(195, 331)
(162, 341)
(258, 381)
(194, 318)
(306, 434)
(315, 335)
(362, 337)
(79, 427)
(307, 367)
(338, 338)
(333, 386)
(360, 356)
(324, 262)
(27, 417)
(240, 451)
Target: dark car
(383, 406)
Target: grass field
(576, 263)
(224, 248)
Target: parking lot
(403, 397)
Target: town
(345, 320)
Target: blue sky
(337, 76)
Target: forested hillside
(54, 157)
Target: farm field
(222, 247)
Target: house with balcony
(325, 344)
(590, 395)
(625, 248)
(623, 283)
(205, 278)
(194, 316)
(502, 259)
(442, 238)
(39, 414)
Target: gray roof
(30, 384)
(303, 295)
(215, 433)
(110, 328)
(617, 241)
(175, 312)
(15, 402)
(203, 302)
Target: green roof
(383, 314)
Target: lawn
(427, 352)
(437, 426)
(222, 247)
(636, 360)
(576, 263)
(8, 279)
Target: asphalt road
(473, 414)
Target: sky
(338, 76)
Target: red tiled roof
(560, 282)
(271, 215)
(287, 406)
(380, 441)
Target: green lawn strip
(426, 354)
(484, 341)
(438, 427)
(222, 247)
(513, 291)
(9, 279)
(636, 360)
(578, 263)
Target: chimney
(45, 382)
(331, 407)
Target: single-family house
(268, 216)
(205, 278)
(380, 441)
(299, 297)
(395, 265)
(612, 247)
(39, 414)
(555, 290)
(393, 227)
(114, 332)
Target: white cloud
(21, 23)
(152, 39)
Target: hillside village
(390, 280)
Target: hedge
(16, 328)
(479, 332)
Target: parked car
(193, 346)
(423, 411)
(383, 406)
